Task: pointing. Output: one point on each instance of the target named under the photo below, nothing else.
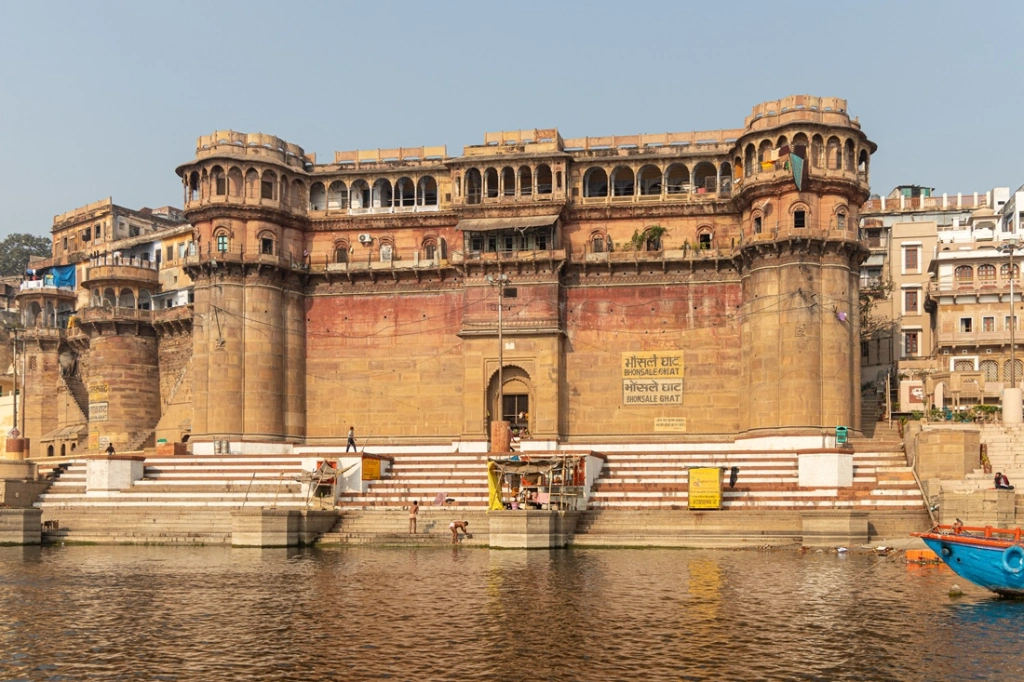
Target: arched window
(359, 195)
(382, 197)
(193, 186)
(235, 185)
(387, 249)
(222, 242)
(597, 241)
(525, 181)
(987, 273)
(427, 195)
(49, 450)
(317, 197)
(677, 179)
(848, 156)
(757, 219)
(96, 300)
(800, 215)
(704, 239)
(474, 186)
(989, 370)
(834, 154)
(297, 196)
(267, 241)
(543, 179)
(491, 183)
(337, 196)
(1004, 271)
(622, 182)
(964, 275)
(1018, 374)
(748, 161)
(126, 299)
(252, 184)
(268, 185)
(341, 251)
(429, 247)
(704, 177)
(220, 183)
(405, 192)
(817, 152)
(63, 450)
(508, 182)
(862, 164)
(649, 179)
(841, 222)
(145, 300)
(109, 298)
(595, 183)
(725, 177)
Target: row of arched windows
(430, 249)
(126, 298)
(405, 193)
(831, 154)
(986, 272)
(652, 180)
(48, 315)
(990, 370)
(252, 185)
(491, 183)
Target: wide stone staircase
(460, 477)
(183, 499)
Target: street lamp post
(500, 281)
(1012, 404)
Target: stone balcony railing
(969, 287)
(113, 314)
(138, 273)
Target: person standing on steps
(413, 511)
(351, 439)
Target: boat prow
(989, 557)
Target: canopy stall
(536, 482)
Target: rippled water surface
(162, 613)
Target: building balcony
(976, 338)
(102, 314)
(110, 269)
(972, 288)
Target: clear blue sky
(104, 99)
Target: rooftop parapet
(943, 202)
(529, 140)
(826, 110)
(88, 212)
(362, 157)
(231, 143)
(706, 137)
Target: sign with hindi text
(652, 378)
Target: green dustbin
(841, 435)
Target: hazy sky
(104, 99)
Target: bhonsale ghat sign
(652, 378)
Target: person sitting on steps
(1002, 482)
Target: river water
(440, 613)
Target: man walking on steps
(351, 439)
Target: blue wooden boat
(989, 557)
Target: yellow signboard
(371, 469)
(705, 489)
(98, 393)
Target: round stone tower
(246, 196)
(802, 175)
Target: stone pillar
(16, 448)
(1012, 407)
(501, 436)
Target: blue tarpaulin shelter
(64, 276)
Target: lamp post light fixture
(500, 281)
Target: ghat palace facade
(694, 286)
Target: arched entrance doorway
(516, 398)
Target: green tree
(16, 249)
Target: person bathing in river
(413, 511)
(455, 527)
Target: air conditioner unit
(365, 239)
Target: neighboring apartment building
(95, 308)
(902, 231)
(698, 286)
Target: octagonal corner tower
(802, 165)
(246, 197)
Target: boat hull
(996, 568)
